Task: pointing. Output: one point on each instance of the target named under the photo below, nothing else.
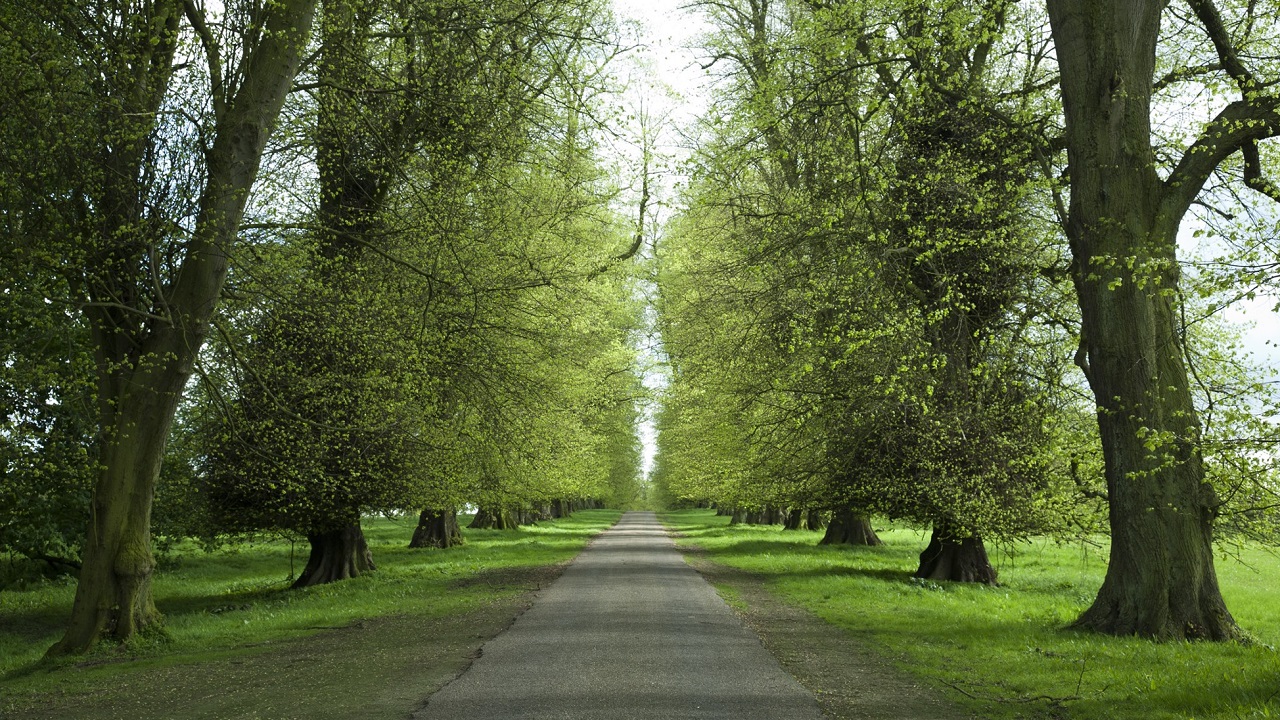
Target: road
(628, 631)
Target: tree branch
(216, 91)
(55, 560)
(1211, 19)
(1241, 123)
(1185, 73)
(644, 207)
(1253, 176)
(1230, 61)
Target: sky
(667, 82)
(668, 36)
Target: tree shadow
(848, 554)
(219, 603)
(35, 624)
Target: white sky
(666, 59)
(666, 82)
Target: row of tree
(280, 265)
(926, 242)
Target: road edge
(848, 678)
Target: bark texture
(1122, 226)
(336, 555)
(955, 559)
(437, 528)
(850, 527)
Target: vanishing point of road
(628, 631)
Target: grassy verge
(235, 602)
(1003, 651)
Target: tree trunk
(506, 520)
(1122, 226)
(498, 519)
(113, 597)
(813, 519)
(336, 555)
(483, 520)
(795, 517)
(850, 527)
(955, 559)
(141, 376)
(437, 529)
(738, 516)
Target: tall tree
(147, 279)
(876, 244)
(425, 356)
(1123, 224)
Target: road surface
(628, 631)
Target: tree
(47, 419)
(146, 267)
(877, 260)
(48, 402)
(1122, 224)
(431, 348)
(321, 430)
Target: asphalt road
(628, 631)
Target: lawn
(1004, 652)
(236, 601)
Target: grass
(236, 600)
(1004, 652)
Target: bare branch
(1211, 19)
(1185, 73)
(195, 16)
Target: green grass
(1008, 644)
(237, 599)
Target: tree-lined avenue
(629, 631)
